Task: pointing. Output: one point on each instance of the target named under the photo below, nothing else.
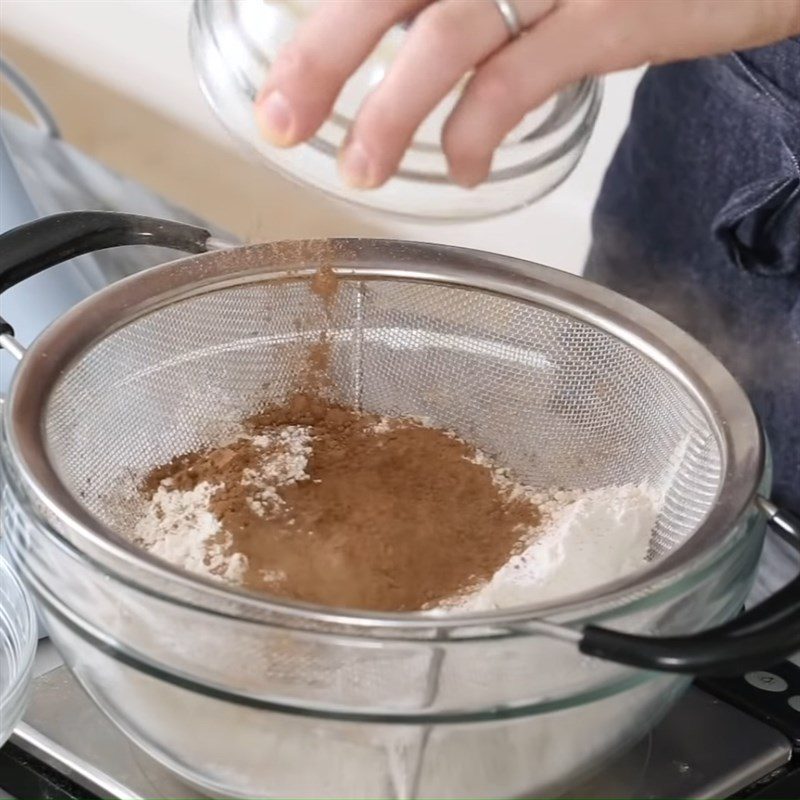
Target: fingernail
(276, 118)
(357, 167)
(468, 177)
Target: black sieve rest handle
(35, 246)
(763, 635)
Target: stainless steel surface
(702, 749)
(63, 728)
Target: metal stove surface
(704, 748)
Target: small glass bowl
(233, 44)
(18, 637)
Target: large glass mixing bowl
(242, 706)
(245, 695)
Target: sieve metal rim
(729, 412)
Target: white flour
(179, 527)
(287, 450)
(286, 453)
(585, 539)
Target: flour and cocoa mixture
(325, 504)
(331, 506)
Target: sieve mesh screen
(558, 401)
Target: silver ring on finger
(508, 11)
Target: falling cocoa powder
(315, 375)
(389, 516)
(325, 285)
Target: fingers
(566, 40)
(565, 46)
(446, 41)
(310, 71)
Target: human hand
(562, 41)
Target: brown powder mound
(390, 518)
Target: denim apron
(699, 218)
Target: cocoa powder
(389, 515)
(393, 516)
(315, 374)
(325, 285)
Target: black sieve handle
(35, 246)
(763, 635)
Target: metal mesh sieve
(567, 384)
(560, 402)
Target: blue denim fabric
(699, 218)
